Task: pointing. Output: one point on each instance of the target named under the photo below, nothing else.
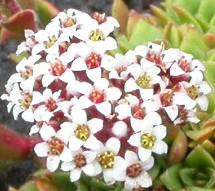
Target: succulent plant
(189, 26)
(18, 15)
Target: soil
(17, 175)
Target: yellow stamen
(144, 81)
(147, 140)
(107, 160)
(96, 35)
(82, 132)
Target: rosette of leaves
(18, 15)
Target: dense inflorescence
(100, 114)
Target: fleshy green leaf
(192, 6)
(197, 189)
(170, 178)
(45, 10)
(29, 186)
(200, 158)
(206, 10)
(187, 176)
(143, 33)
(172, 34)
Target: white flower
(185, 115)
(140, 115)
(97, 36)
(27, 45)
(82, 161)
(48, 104)
(25, 73)
(198, 92)
(113, 166)
(144, 78)
(117, 66)
(19, 102)
(81, 131)
(37, 127)
(86, 59)
(54, 148)
(149, 140)
(99, 94)
(136, 172)
(48, 40)
(56, 68)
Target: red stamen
(93, 61)
(97, 97)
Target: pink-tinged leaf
(179, 148)
(210, 40)
(6, 35)
(12, 5)
(45, 10)
(120, 12)
(17, 23)
(27, 4)
(14, 146)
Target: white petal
(120, 129)
(52, 163)
(84, 102)
(41, 149)
(47, 80)
(160, 147)
(41, 68)
(90, 156)
(37, 98)
(113, 144)
(148, 164)
(176, 70)
(144, 154)
(131, 157)
(84, 88)
(196, 77)
(16, 111)
(14, 78)
(108, 177)
(104, 108)
(123, 111)
(205, 88)
(113, 93)
(28, 115)
(159, 131)
(78, 116)
(172, 112)
(75, 143)
(37, 49)
(94, 74)
(183, 99)
(101, 84)
(130, 85)
(47, 132)
(66, 57)
(67, 76)
(78, 64)
(146, 94)
(153, 118)
(75, 175)
(92, 143)
(67, 166)
(137, 124)
(66, 155)
(34, 129)
(134, 139)
(145, 180)
(95, 125)
(203, 102)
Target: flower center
(166, 99)
(107, 160)
(144, 81)
(193, 92)
(26, 101)
(56, 146)
(185, 65)
(93, 61)
(58, 69)
(82, 132)
(27, 73)
(101, 18)
(69, 22)
(134, 170)
(80, 161)
(138, 112)
(152, 57)
(97, 96)
(147, 140)
(96, 35)
(51, 105)
(50, 42)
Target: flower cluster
(100, 114)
